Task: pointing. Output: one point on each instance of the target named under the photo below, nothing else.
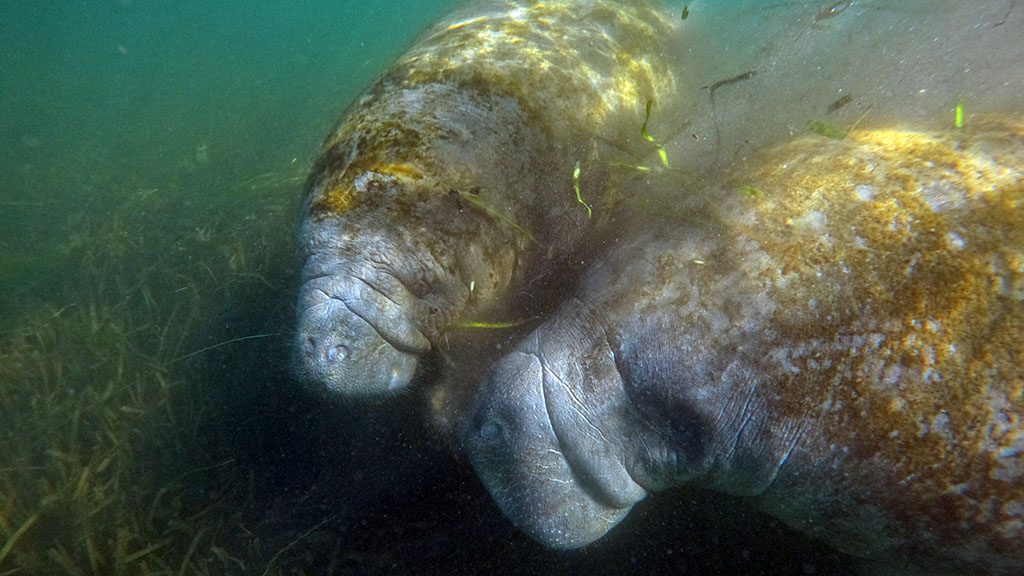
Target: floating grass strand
(859, 119)
(637, 167)
(272, 180)
(476, 201)
(576, 187)
(490, 325)
(662, 154)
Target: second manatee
(836, 335)
(475, 166)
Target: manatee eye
(491, 431)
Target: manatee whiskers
(225, 343)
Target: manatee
(478, 163)
(835, 332)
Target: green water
(157, 149)
(103, 101)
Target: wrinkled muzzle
(354, 336)
(522, 462)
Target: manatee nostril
(336, 353)
(328, 353)
(310, 348)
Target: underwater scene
(512, 287)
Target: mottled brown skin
(448, 188)
(837, 335)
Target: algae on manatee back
(816, 345)
(516, 101)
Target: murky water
(152, 161)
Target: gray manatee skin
(448, 188)
(836, 334)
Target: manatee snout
(518, 455)
(356, 338)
